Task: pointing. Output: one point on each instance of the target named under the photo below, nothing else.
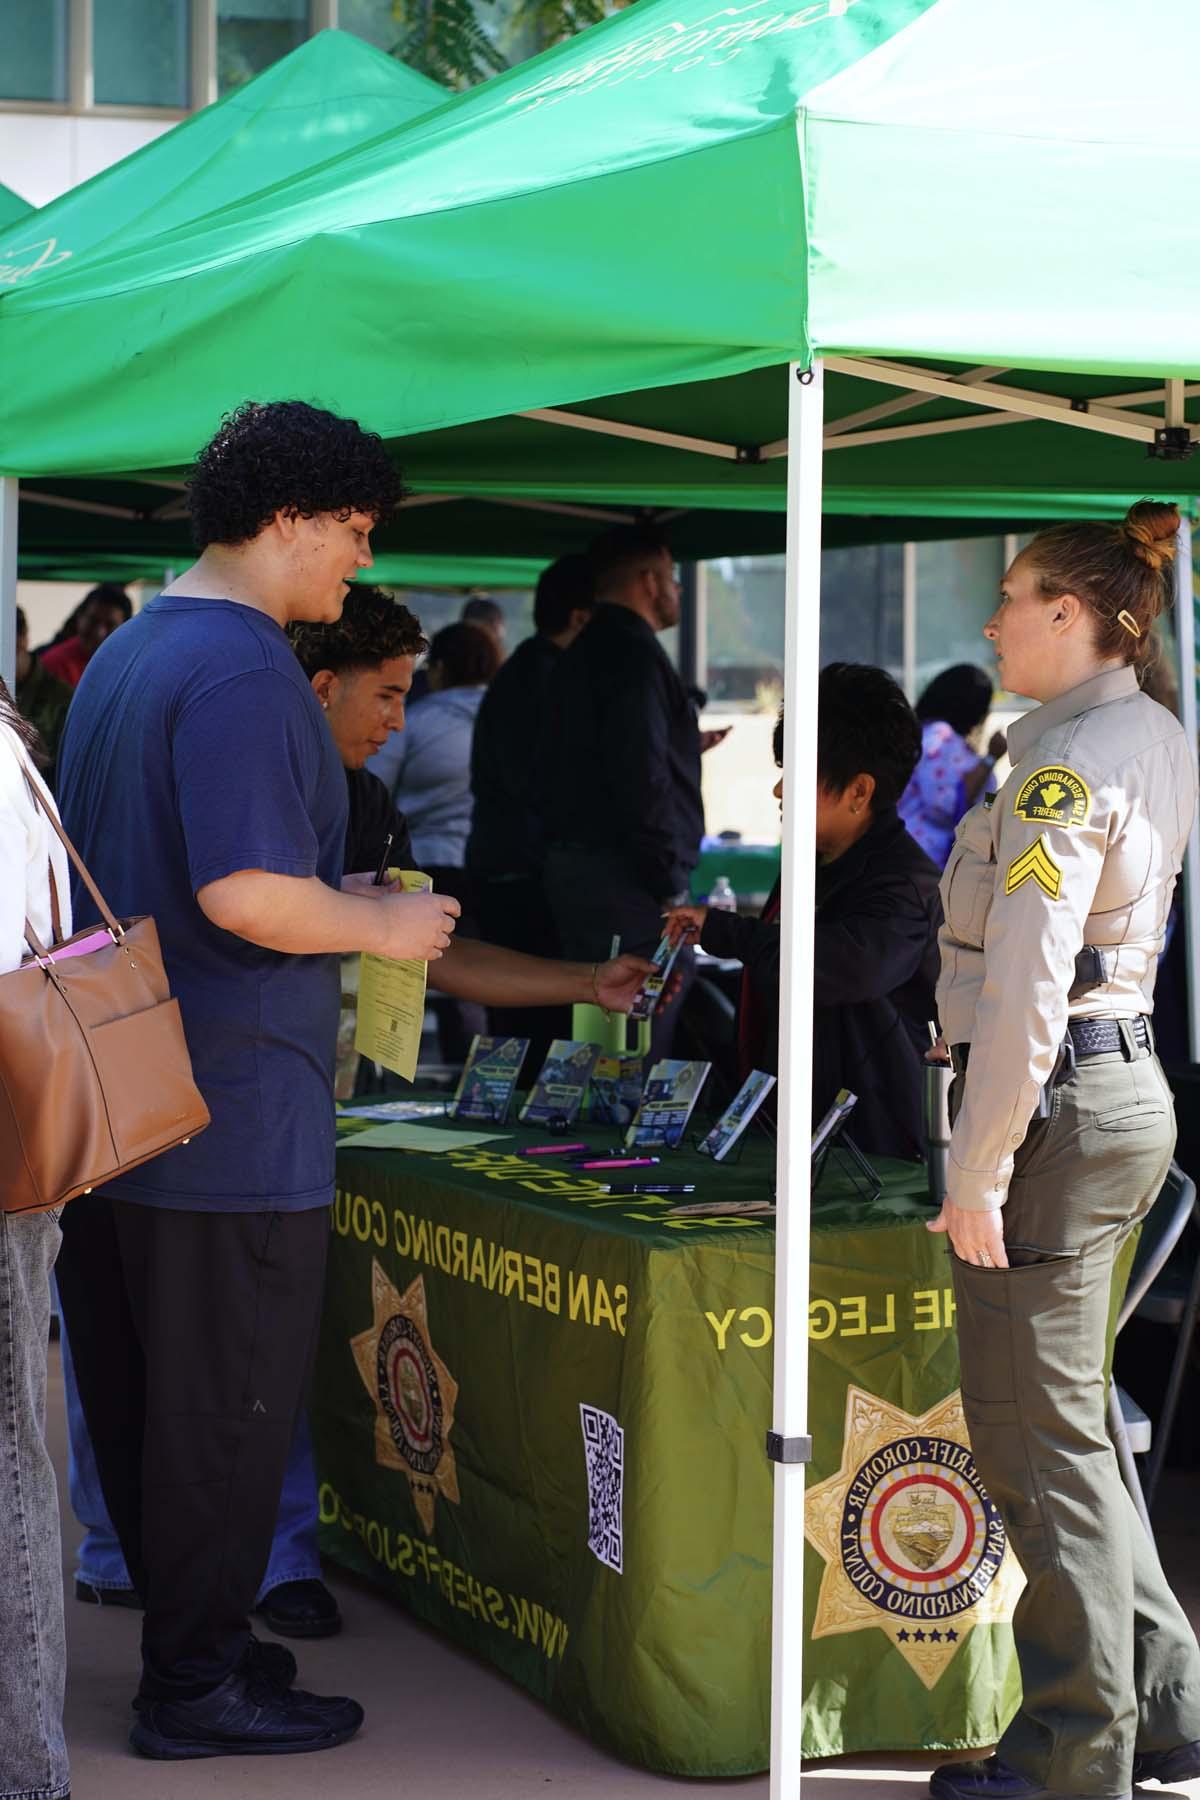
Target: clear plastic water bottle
(722, 897)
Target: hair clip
(1130, 623)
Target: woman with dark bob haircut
(951, 774)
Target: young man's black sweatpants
(193, 1335)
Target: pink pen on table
(556, 1149)
(619, 1162)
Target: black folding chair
(1151, 1297)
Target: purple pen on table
(618, 1162)
(557, 1150)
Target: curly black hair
(372, 629)
(865, 726)
(287, 456)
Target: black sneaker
(301, 1609)
(245, 1716)
(271, 1662)
(991, 1779)
(105, 1596)
(1180, 1764)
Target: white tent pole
(8, 580)
(1185, 638)
(908, 605)
(789, 1438)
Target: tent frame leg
(8, 580)
(806, 405)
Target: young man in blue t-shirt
(201, 785)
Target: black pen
(655, 1187)
(381, 871)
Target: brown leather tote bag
(95, 1076)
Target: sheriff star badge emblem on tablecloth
(912, 1543)
(413, 1391)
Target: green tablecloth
(540, 1415)
(753, 870)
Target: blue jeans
(33, 1654)
(294, 1553)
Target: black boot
(104, 1596)
(302, 1609)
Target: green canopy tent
(12, 207)
(604, 273)
(332, 94)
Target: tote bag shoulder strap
(50, 814)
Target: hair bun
(1150, 526)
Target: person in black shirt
(878, 914)
(361, 670)
(621, 764)
(507, 851)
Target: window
(958, 586)
(253, 34)
(374, 20)
(33, 50)
(141, 52)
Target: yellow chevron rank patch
(1035, 864)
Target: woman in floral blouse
(951, 775)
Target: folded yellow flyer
(391, 999)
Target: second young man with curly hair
(202, 787)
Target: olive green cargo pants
(1109, 1663)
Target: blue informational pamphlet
(557, 1095)
(489, 1079)
(615, 1092)
(737, 1115)
(651, 990)
(671, 1094)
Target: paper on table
(391, 999)
(395, 1109)
(402, 1136)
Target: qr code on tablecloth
(604, 1447)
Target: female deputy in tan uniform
(1056, 897)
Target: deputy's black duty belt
(1085, 1037)
(1101, 1037)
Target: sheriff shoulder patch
(1035, 864)
(1054, 796)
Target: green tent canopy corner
(12, 207)
(330, 95)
